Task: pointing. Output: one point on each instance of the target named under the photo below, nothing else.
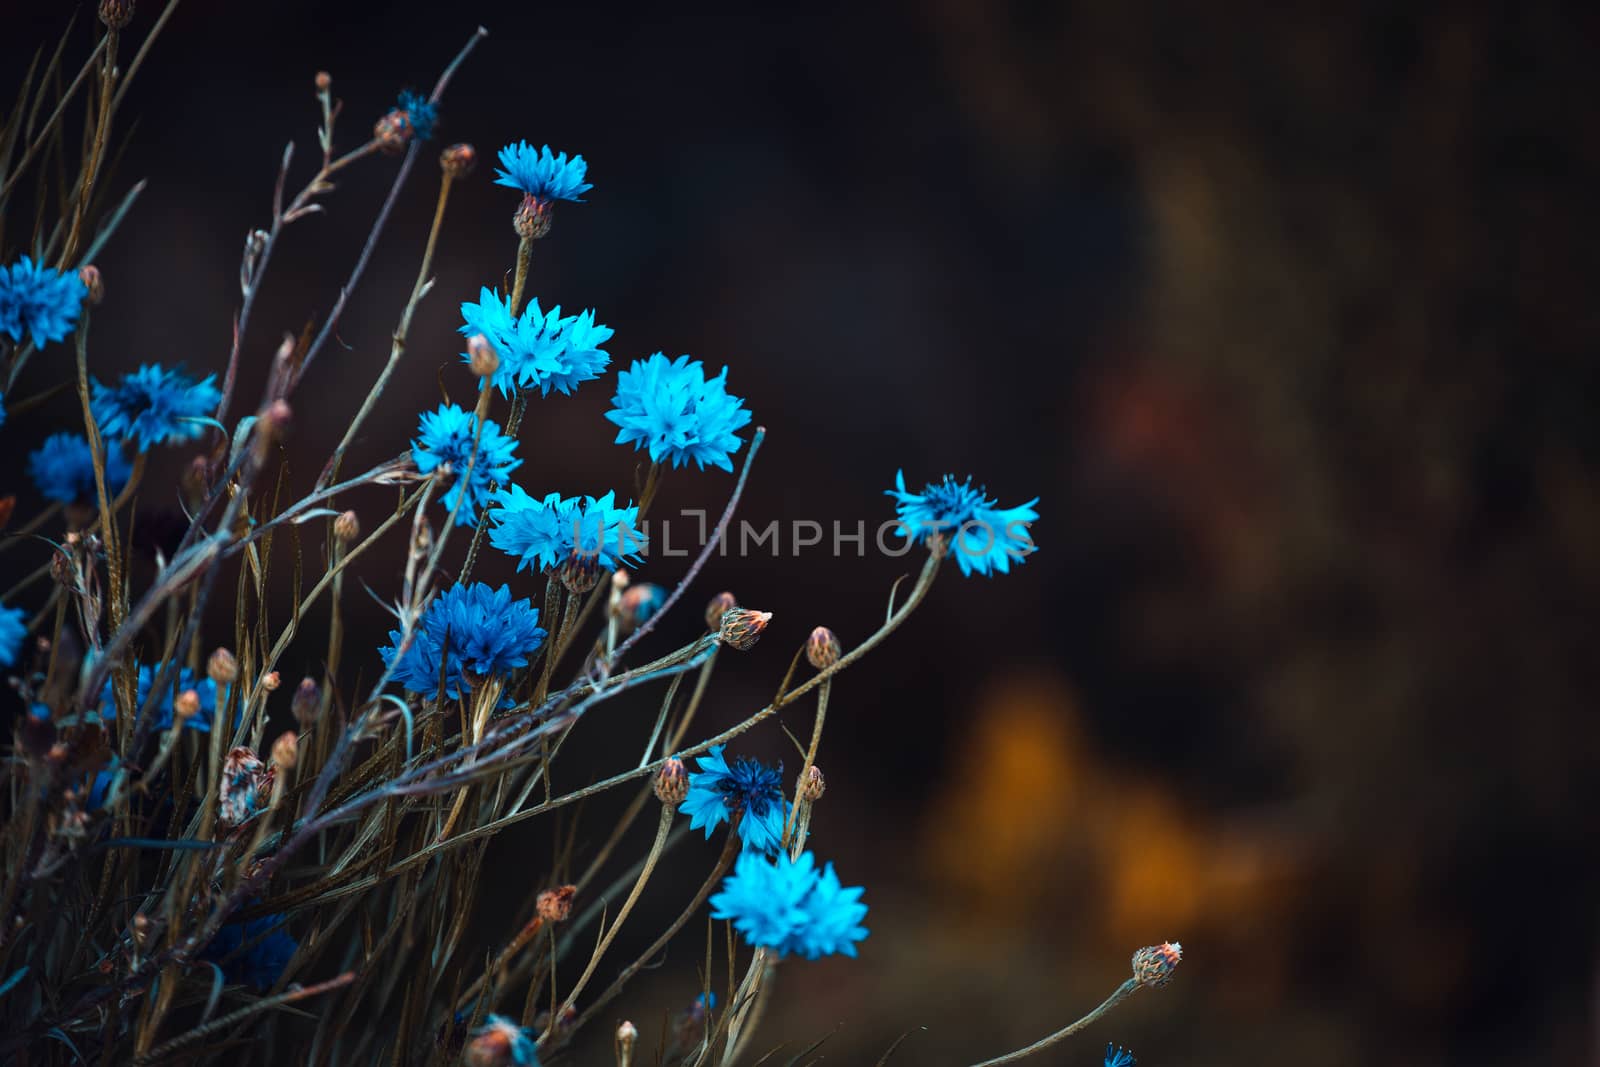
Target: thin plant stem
(1122, 992)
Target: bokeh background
(1288, 317)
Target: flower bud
(94, 286)
(458, 160)
(186, 706)
(346, 527)
(533, 218)
(1153, 965)
(286, 750)
(742, 627)
(719, 605)
(305, 704)
(639, 603)
(222, 668)
(141, 927)
(270, 681)
(811, 785)
(392, 132)
(627, 1037)
(672, 783)
(275, 421)
(554, 905)
(822, 648)
(116, 13)
(484, 360)
(324, 81)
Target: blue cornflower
(591, 534)
(39, 301)
(489, 634)
(541, 175)
(63, 468)
(420, 112)
(718, 791)
(155, 406)
(791, 907)
(13, 628)
(252, 953)
(447, 436)
(680, 414)
(204, 688)
(500, 1037)
(1118, 1057)
(983, 538)
(537, 349)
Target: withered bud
(271, 680)
(94, 286)
(222, 668)
(286, 750)
(555, 905)
(324, 81)
(116, 13)
(533, 218)
(811, 785)
(305, 703)
(187, 705)
(393, 131)
(742, 628)
(672, 782)
(720, 604)
(1153, 965)
(484, 360)
(822, 648)
(346, 527)
(458, 160)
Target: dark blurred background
(1287, 317)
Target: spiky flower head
(537, 349)
(500, 1042)
(742, 628)
(1154, 964)
(486, 632)
(983, 537)
(540, 174)
(222, 667)
(39, 301)
(555, 905)
(448, 435)
(155, 406)
(13, 628)
(459, 160)
(63, 469)
(747, 789)
(672, 782)
(787, 905)
(822, 648)
(556, 533)
(670, 407)
(1118, 1057)
(811, 785)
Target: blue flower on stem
(983, 537)
(204, 688)
(155, 406)
(537, 349)
(791, 907)
(674, 410)
(541, 175)
(39, 301)
(448, 436)
(420, 112)
(13, 628)
(750, 789)
(252, 953)
(500, 1040)
(63, 469)
(1118, 1057)
(592, 533)
(487, 632)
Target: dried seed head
(186, 706)
(458, 160)
(89, 275)
(720, 605)
(307, 701)
(270, 681)
(116, 13)
(811, 785)
(393, 132)
(672, 782)
(1153, 965)
(346, 527)
(554, 905)
(484, 360)
(822, 648)
(222, 668)
(742, 628)
(324, 81)
(286, 750)
(533, 218)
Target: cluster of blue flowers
(671, 408)
(13, 628)
(591, 533)
(39, 302)
(537, 349)
(984, 538)
(787, 905)
(747, 789)
(478, 462)
(155, 406)
(252, 953)
(541, 175)
(204, 688)
(63, 468)
(486, 632)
